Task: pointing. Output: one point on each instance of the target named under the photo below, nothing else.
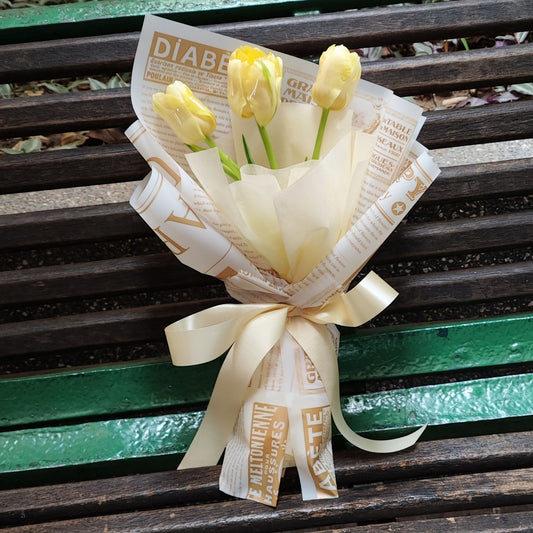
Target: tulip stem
(268, 146)
(247, 153)
(230, 167)
(320, 133)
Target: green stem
(320, 133)
(465, 43)
(247, 153)
(231, 172)
(230, 167)
(194, 147)
(268, 146)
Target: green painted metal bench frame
(141, 442)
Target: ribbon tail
(257, 338)
(317, 342)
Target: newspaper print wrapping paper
(277, 391)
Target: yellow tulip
(188, 117)
(254, 83)
(338, 74)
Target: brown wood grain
(112, 108)
(147, 323)
(70, 225)
(496, 520)
(197, 486)
(116, 163)
(56, 169)
(298, 36)
(358, 503)
(156, 271)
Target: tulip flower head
(338, 73)
(254, 83)
(189, 118)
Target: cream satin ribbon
(251, 330)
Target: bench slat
(437, 239)
(447, 128)
(55, 169)
(364, 354)
(293, 35)
(149, 491)
(480, 181)
(463, 522)
(404, 24)
(70, 225)
(462, 286)
(117, 163)
(110, 276)
(55, 113)
(112, 108)
(115, 276)
(449, 408)
(147, 323)
(401, 498)
(431, 73)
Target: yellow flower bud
(338, 74)
(254, 83)
(190, 120)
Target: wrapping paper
(278, 390)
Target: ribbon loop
(252, 330)
(204, 336)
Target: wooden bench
(94, 418)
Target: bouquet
(282, 180)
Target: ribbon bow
(252, 330)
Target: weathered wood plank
(112, 108)
(437, 239)
(405, 24)
(298, 36)
(56, 113)
(93, 165)
(149, 491)
(106, 277)
(462, 286)
(495, 521)
(137, 273)
(431, 73)
(363, 355)
(70, 225)
(96, 329)
(147, 323)
(480, 181)
(116, 163)
(359, 503)
(447, 128)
